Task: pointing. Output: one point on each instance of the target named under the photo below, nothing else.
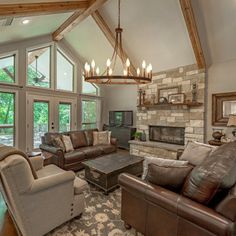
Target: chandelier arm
(118, 13)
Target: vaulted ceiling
(154, 30)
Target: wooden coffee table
(104, 171)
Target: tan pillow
(58, 143)
(103, 137)
(196, 152)
(67, 142)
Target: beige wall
(221, 78)
(119, 97)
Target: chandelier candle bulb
(110, 71)
(144, 68)
(97, 71)
(93, 66)
(138, 72)
(125, 73)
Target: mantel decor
(142, 76)
(223, 105)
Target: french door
(48, 114)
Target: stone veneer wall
(193, 118)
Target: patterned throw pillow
(103, 137)
(58, 143)
(67, 142)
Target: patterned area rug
(101, 216)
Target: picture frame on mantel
(223, 104)
(166, 91)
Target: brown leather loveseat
(205, 206)
(83, 149)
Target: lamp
(142, 75)
(232, 123)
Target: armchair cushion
(80, 185)
(169, 177)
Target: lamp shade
(232, 120)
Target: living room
(123, 110)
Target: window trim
(51, 66)
(16, 114)
(97, 111)
(72, 62)
(90, 94)
(14, 53)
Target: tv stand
(123, 133)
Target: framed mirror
(223, 104)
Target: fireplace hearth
(167, 134)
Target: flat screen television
(121, 118)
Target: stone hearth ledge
(157, 149)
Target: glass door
(48, 114)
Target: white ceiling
(154, 30)
(216, 22)
(39, 25)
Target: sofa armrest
(203, 216)
(57, 154)
(50, 149)
(37, 162)
(48, 182)
(114, 141)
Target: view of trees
(89, 116)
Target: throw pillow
(216, 174)
(169, 177)
(101, 138)
(67, 142)
(196, 152)
(58, 143)
(161, 162)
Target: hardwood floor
(7, 227)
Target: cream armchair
(39, 205)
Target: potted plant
(137, 135)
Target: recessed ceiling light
(26, 21)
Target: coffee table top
(112, 162)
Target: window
(89, 114)
(88, 88)
(7, 69)
(41, 121)
(39, 67)
(7, 118)
(65, 72)
(64, 117)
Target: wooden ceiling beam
(188, 13)
(76, 18)
(43, 8)
(110, 36)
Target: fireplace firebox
(167, 134)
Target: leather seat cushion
(80, 185)
(74, 156)
(91, 151)
(78, 139)
(89, 136)
(215, 174)
(107, 148)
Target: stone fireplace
(187, 121)
(167, 134)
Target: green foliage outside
(64, 117)
(32, 81)
(4, 77)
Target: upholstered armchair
(39, 204)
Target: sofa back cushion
(169, 177)
(217, 173)
(89, 136)
(49, 138)
(196, 152)
(78, 139)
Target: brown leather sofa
(83, 149)
(157, 211)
